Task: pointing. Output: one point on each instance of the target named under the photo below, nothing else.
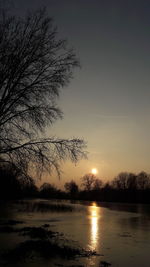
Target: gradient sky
(108, 101)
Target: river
(120, 233)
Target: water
(119, 232)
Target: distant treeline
(126, 187)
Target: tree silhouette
(120, 182)
(48, 190)
(72, 188)
(97, 185)
(14, 183)
(34, 66)
(88, 181)
(143, 181)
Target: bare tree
(88, 181)
(120, 182)
(48, 190)
(34, 66)
(97, 184)
(143, 181)
(72, 188)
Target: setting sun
(94, 171)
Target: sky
(107, 102)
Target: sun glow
(94, 171)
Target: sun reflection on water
(94, 217)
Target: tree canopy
(34, 66)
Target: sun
(94, 171)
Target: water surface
(119, 232)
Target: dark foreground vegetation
(126, 187)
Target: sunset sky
(108, 101)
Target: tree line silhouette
(125, 187)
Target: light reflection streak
(94, 217)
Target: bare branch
(34, 66)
